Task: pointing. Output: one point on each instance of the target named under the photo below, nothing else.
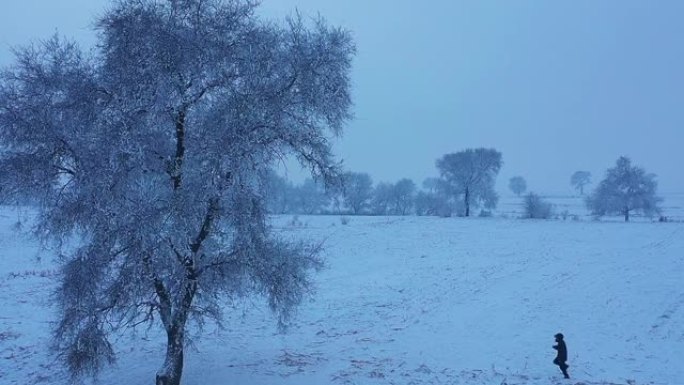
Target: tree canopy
(579, 179)
(357, 191)
(625, 189)
(518, 185)
(152, 155)
(470, 175)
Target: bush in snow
(537, 208)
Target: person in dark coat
(562, 355)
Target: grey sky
(556, 86)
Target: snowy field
(411, 300)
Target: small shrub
(344, 220)
(536, 207)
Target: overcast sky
(556, 86)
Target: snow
(411, 300)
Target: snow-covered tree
(382, 198)
(469, 176)
(432, 203)
(579, 179)
(357, 191)
(393, 199)
(309, 197)
(517, 184)
(151, 157)
(536, 208)
(432, 200)
(625, 189)
(431, 184)
(403, 195)
(279, 194)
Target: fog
(555, 86)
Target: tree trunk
(626, 215)
(467, 202)
(174, 321)
(170, 373)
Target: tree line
(465, 184)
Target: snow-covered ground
(412, 300)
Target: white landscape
(391, 180)
(408, 300)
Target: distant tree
(309, 197)
(403, 194)
(358, 191)
(150, 159)
(625, 189)
(469, 176)
(580, 179)
(432, 203)
(279, 194)
(518, 185)
(421, 203)
(431, 184)
(537, 208)
(382, 198)
(432, 200)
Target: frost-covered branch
(152, 156)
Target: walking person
(562, 355)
